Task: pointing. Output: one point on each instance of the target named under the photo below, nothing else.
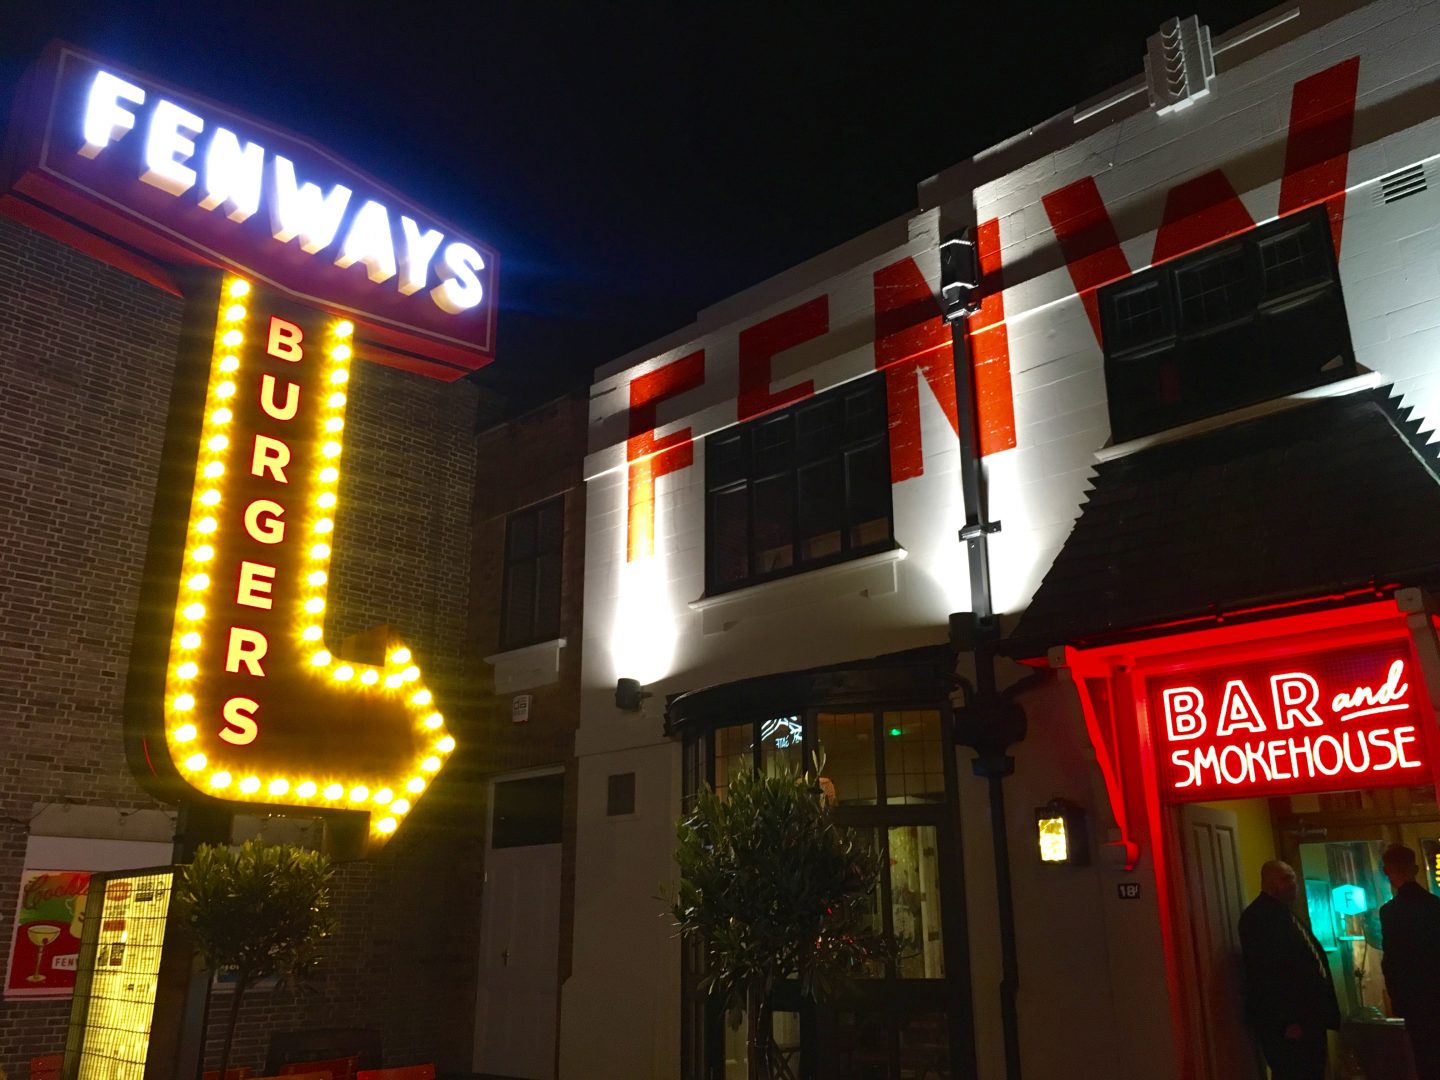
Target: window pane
(1292, 260)
(529, 811)
(772, 448)
(1137, 315)
(534, 538)
(725, 458)
(914, 757)
(729, 535)
(915, 902)
(862, 1047)
(925, 1047)
(547, 597)
(847, 742)
(734, 751)
(819, 429)
(519, 603)
(1214, 292)
(868, 840)
(865, 411)
(781, 745)
(736, 1053)
(785, 1030)
(868, 480)
(522, 535)
(550, 528)
(774, 523)
(822, 509)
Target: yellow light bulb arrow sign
(257, 708)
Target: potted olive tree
(259, 911)
(772, 890)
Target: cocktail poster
(45, 943)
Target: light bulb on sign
(273, 519)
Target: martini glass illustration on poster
(40, 935)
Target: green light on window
(894, 731)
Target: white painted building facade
(1335, 106)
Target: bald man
(1289, 996)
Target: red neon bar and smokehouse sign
(1321, 721)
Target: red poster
(45, 943)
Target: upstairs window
(534, 539)
(800, 488)
(1251, 318)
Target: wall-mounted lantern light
(1061, 835)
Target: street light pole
(988, 723)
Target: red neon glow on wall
(1345, 718)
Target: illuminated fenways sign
(1321, 721)
(257, 706)
(110, 159)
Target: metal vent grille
(1401, 185)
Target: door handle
(505, 957)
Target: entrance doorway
(1210, 845)
(1334, 842)
(517, 998)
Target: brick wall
(86, 358)
(526, 461)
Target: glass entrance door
(890, 776)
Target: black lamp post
(988, 723)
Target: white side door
(516, 1003)
(1209, 841)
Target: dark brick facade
(526, 461)
(86, 359)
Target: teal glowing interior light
(895, 731)
(1349, 900)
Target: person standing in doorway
(1410, 933)
(1289, 996)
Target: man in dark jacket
(1410, 927)
(1289, 997)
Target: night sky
(632, 162)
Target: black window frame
(540, 629)
(1276, 326)
(743, 459)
